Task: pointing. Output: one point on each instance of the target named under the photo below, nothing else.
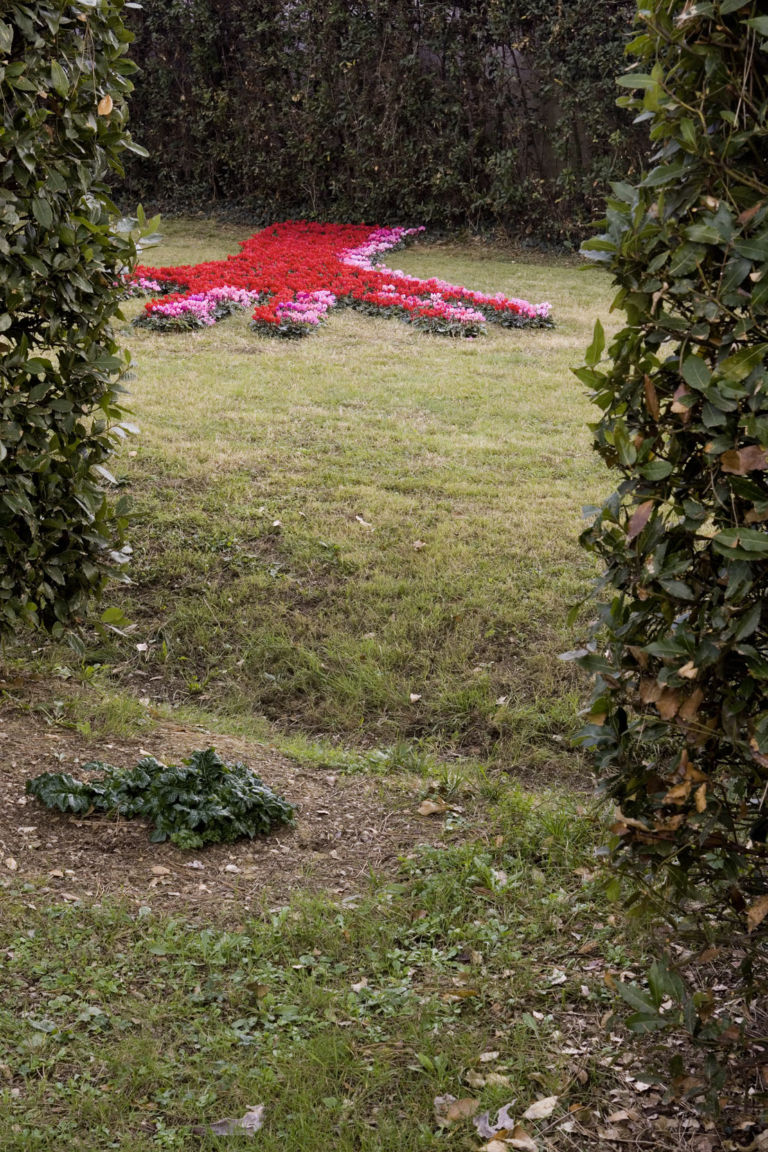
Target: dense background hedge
(482, 112)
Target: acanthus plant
(293, 273)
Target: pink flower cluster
(306, 308)
(142, 285)
(197, 309)
(380, 240)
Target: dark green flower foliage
(63, 79)
(200, 801)
(679, 719)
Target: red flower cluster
(295, 271)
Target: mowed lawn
(370, 534)
(362, 546)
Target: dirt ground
(347, 827)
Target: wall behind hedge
(483, 112)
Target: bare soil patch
(347, 827)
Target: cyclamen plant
(292, 274)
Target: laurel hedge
(63, 79)
(679, 716)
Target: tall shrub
(680, 713)
(679, 716)
(63, 79)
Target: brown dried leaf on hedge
(740, 461)
(640, 518)
(757, 912)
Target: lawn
(477, 972)
(355, 555)
(369, 535)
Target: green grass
(264, 607)
(122, 1029)
(320, 623)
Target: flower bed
(291, 274)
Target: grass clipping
(203, 800)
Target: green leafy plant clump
(203, 800)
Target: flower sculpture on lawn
(291, 274)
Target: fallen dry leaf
(521, 1141)
(756, 913)
(448, 1110)
(497, 1080)
(649, 690)
(461, 1110)
(487, 1079)
(679, 793)
(669, 703)
(541, 1109)
(621, 1117)
(418, 545)
(691, 706)
(250, 1123)
(160, 870)
(494, 1146)
(502, 1124)
(488, 1057)
(105, 105)
(432, 808)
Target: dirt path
(346, 828)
